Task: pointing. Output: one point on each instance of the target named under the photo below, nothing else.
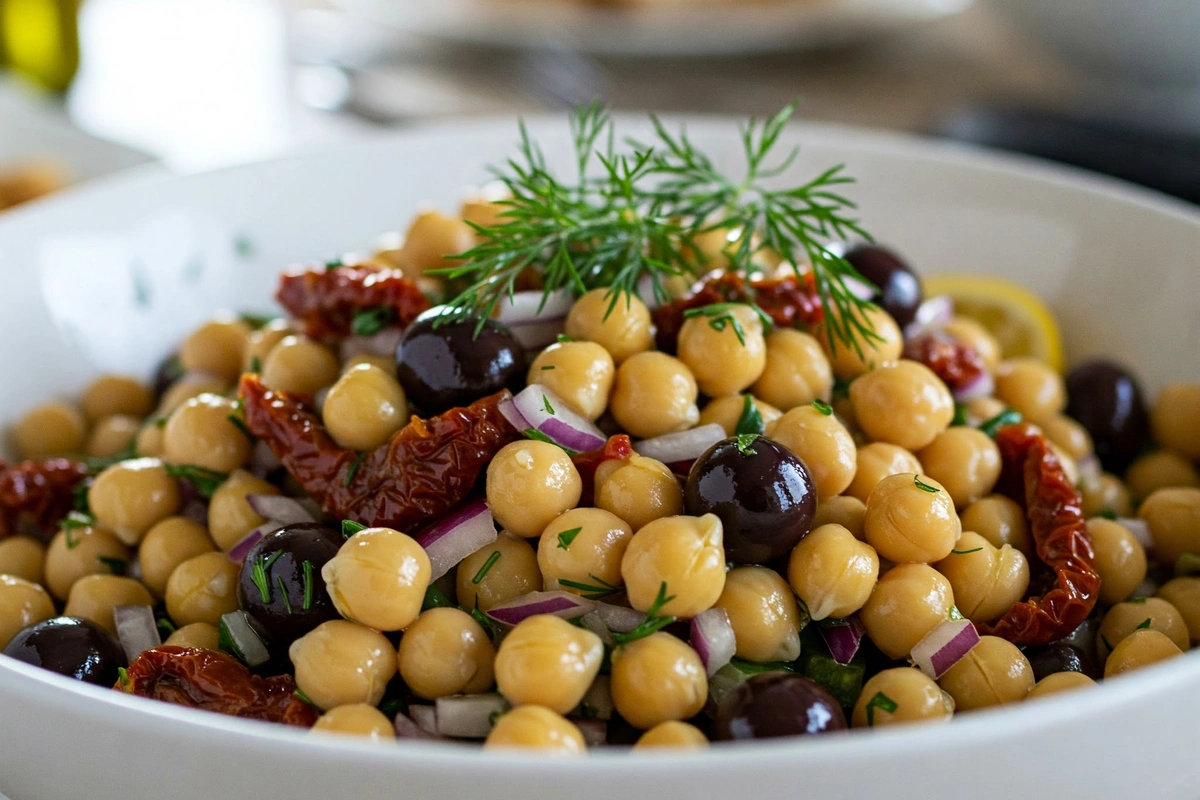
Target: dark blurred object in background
(39, 39)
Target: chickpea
(341, 663)
(132, 496)
(763, 613)
(358, 719)
(1173, 419)
(1140, 649)
(431, 237)
(1161, 469)
(202, 589)
(796, 372)
(1107, 494)
(884, 348)
(364, 408)
(876, 461)
(581, 545)
(822, 443)
(201, 433)
(685, 554)
(1068, 435)
(1120, 559)
(977, 337)
(445, 652)
(378, 578)
(116, 395)
(908, 601)
(654, 394)
(529, 483)
(672, 734)
(148, 443)
(111, 435)
(23, 557)
(167, 545)
(723, 359)
(987, 581)
(982, 409)
(1031, 387)
(1057, 682)
(1184, 594)
(216, 348)
(639, 490)
(1174, 519)
(623, 327)
(657, 679)
(95, 597)
(198, 634)
(581, 373)
(993, 673)
(76, 552)
(907, 522)
(300, 366)
(483, 208)
(548, 662)
(903, 403)
(727, 411)
(22, 603)
(1133, 615)
(965, 461)
(832, 572)
(849, 512)
(186, 388)
(262, 341)
(514, 573)
(230, 516)
(917, 697)
(999, 520)
(51, 429)
(536, 728)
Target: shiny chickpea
(513, 573)
(549, 662)
(1057, 682)
(1152, 612)
(1120, 559)
(116, 395)
(981, 409)
(832, 572)
(22, 603)
(431, 237)
(148, 442)
(536, 728)
(849, 512)
(875, 461)
(262, 341)
(884, 348)
(529, 483)
(131, 497)
(684, 553)
(581, 373)
(199, 634)
(763, 613)
(52, 429)
(583, 544)
(364, 408)
(672, 734)
(977, 337)
(378, 578)
(111, 435)
(654, 394)
(200, 433)
(76, 552)
(186, 388)
(300, 366)
(341, 663)
(1174, 519)
(483, 208)
(167, 545)
(1140, 649)
(446, 652)
(95, 597)
(656, 679)
(357, 719)
(202, 589)
(622, 328)
(23, 557)
(1107, 493)
(1161, 469)
(965, 461)
(724, 359)
(796, 372)
(1069, 435)
(1031, 387)
(917, 697)
(911, 518)
(821, 441)
(727, 411)
(216, 348)
(230, 516)
(903, 403)
(1173, 419)
(993, 673)
(999, 520)
(1184, 594)
(639, 490)
(908, 601)
(987, 581)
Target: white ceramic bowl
(1118, 265)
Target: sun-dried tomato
(426, 469)
(36, 495)
(1033, 476)
(957, 363)
(617, 447)
(323, 302)
(213, 681)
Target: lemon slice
(1019, 320)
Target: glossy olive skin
(1059, 657)
(764, 497)
(776, 704)
(900, 291)
(294, 544)
(447, 365)
(1106, 399)
(77, 648)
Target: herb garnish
(256, 364)
(966, 552)
(116, 566)
(435, 598)
(538, 436)
(370, 321)
(350, 527)
(487, 565)
(924, 487)
(566, 537)
(1108, 513)
(258, 574)
(562, 338)
(547, 366)
(123, 677)
(1144, 625)
(751, 420)
(165, 627)
(960, 415)
(743, 441)
(256, 321)
(880, 701)
(205, 481)
(308, 584)
(354, 465)
(954, 614)
(824, 408)
(333, 263)
(652, 622)
(1007, 417)
(722, 316)
(300, 695)
(283, 593)
(546, 404)
(241, 426)
(598, 591)
(1187, 564)
(1107, 644)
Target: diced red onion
(933, 313)
(425, 718)
(380, 344)
(247, 643)
(407, 729)
(598, 700)
(262, 460)
(237, 554)
(136, 629)
(196, 510)
(712, 638)
(1140, 530)
(468, 716)
(595, 731)
(982, 386)
(284, 510)
(548, 414)
(559, 604)
(682, 446)
(843, 638)
(536, 335)
(526, 307)
(944, 646)
(595, 623)
(457, 536)
(508, 410)
(619, 619)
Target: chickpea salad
(651, 456)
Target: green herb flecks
(562, 338)
(205, 481)
(652, 621)
(924, 487)
(824, 408)
(1007, 417)
(123, 678)
(960, 415)
(370, 321)
(79, 496)
(308, 584)
(256, 364)
(721, 316)
(1144, 625)
(1108, 513)
(283, 594)
(744, 442)
(350, 527)
(116, 566)
(882, 702)
(333, 264)
(547, 366)
(592, 591)
(482, 572)
(258, 574)
(77, 519)
(751, 420)
(1107, 644)
(955, 614)
(256, 321)
(538, 436)
(302, 697)
(566, 537)
(965, 552)
(96, 465)
(354, 467)
(435, 598)
(165, 627)
(241, 426)
(546, 404)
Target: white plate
(655, 28)
(1118, 265)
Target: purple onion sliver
(949, 654)
(237, 554)
(699, 643)
(508, 410)
(425, 718)
(571, 438)
(982, 386)
(285, 510)
(407, 729)
(469, 511)
(514, 614)
(843, 639)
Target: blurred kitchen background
(94, 86)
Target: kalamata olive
(168, 371)
(899, 287)
(777, 704)
(1059, 657)
(77, 648)
(762, 493)
(1107, 400)
(280, 586)
(447, 365)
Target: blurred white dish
(1117, 264)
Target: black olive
(1050, 658)
(777, 704)
(899, 291)
(1107, 400)
(167, 373)
(762, 493)
(283, 598)
(77, 648)
(448, 365)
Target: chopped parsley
(487, 565)
(824, 408)
(751, 420)
(165, 627)
(1108, 513)
(960, 416)
(301, 696)
(538, 436)
(256, 364)
(333, 263)
(435, 598)
(283, 593)
(880, 701)
(123, 677)
(354, 466)
(1006, 417)
(547, 366)
(955, 614)
(562, 338)
(721, 317)
(1145, 625)
(546, 404)
(744, 442)
(116, 566)
(1187, 564)
(350, 527)
(966, 552)
(566, 537)
(370, 321)
(652, 623)
(924, 487)
(205, 481)
(241, 426)
(308, 584)
(597, 591)
(256, 321)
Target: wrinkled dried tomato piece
(214, 681)
(1033, 476)
(958, 364)
(426, 469)
(36, 495)
(324, 301)
(617, 447)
